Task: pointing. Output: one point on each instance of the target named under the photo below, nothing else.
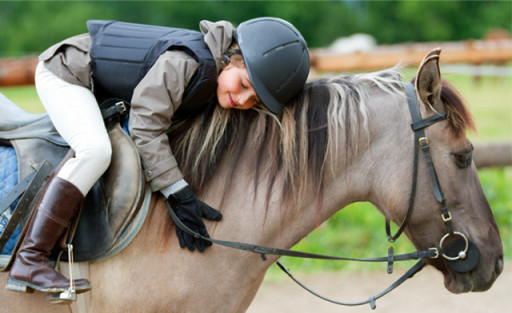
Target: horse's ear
(428, 81)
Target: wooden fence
(20, 71)
(411, 54)
(493, 154)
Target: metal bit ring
(462, 254)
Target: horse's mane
(295, 145)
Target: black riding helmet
(276, 57)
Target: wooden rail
(493, 154)
(411, 54)
(17, 71)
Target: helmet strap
(226, 58)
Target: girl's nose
(243, 97)
(246, 96)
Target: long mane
(295, 146)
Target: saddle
(113, 210)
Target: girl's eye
(245, 85)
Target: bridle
(466, 252)
(462, 254)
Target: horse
(275, 179)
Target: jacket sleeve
(154, 101)
(70, 60)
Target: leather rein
(458, 252)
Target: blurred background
(31, 26)
(344, 37)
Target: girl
(163, 72)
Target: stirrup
(69, 295)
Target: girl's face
(234, 89)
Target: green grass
(358, 230)
(25, 97)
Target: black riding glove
(190, 211)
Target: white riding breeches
(75, 114)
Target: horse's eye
(462, 160)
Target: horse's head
(468, 213)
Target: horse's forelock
(458, 115)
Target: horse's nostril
(499, 266)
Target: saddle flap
(113, 201)
(110, 205)
(124, 181)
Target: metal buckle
(423, 141)
(121, 105)
(447, 217)
(436, 252)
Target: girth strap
(27, 190)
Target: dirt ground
(424, 293)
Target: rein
(463, 245)
(264, 250)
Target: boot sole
(23, 286)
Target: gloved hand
(190, 211)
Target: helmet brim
(276, 57)
(266, 98)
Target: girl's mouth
(233, 103)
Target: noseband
(461, 254)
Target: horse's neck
(246, 215)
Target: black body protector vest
(122, 54)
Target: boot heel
(16, 285)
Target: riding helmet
(276, 57)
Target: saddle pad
(8, 179)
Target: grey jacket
(155, 99)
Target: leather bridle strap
(418, 125)
(371, 301)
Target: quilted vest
(122, 53)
